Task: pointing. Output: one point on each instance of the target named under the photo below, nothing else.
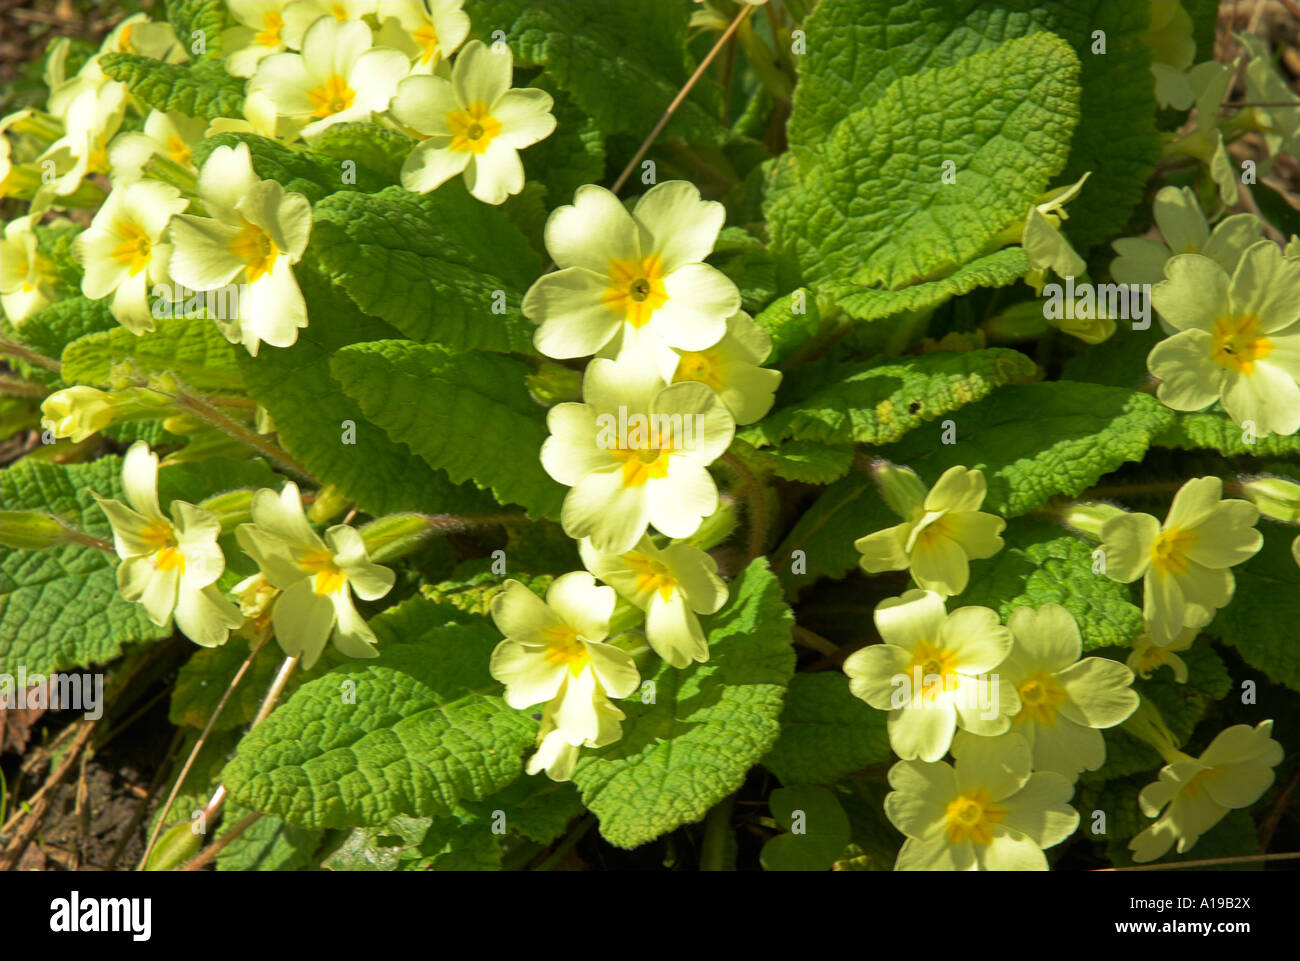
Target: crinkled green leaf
(826, 732)
(1261, 620)
(798, 460)
(207, 16)
(1211, 430)
(879, 402)
(787, 328)
(312, 414)
(998, 269)
(202, 90)
(817, 830)
(368, 145)
(708, 724)
(267, 845)
(468, 414)
(423, 734)
(623, 62)
(571, 156)
(1079, 432)
(192, 348)
(1042, 564)
(857, 48)
(867, 202)
(439, 267)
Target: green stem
(206, 412)
(755, 498)
(570, 840)
(718, 852)
(29, 355)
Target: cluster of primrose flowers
(167, 225)
(677, 364)
(303, 592)
(1018, 707)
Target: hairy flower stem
(212, 850)
(29, 355)
(206, 412)
(681, 96)
(756, 501)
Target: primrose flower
(1148, 657)
(259, 118)
(932, 673)
(259, 34)
(77, 412)
(318, 577)
(553, 652)
(1183, 230)
(634, 273)
(1184, 563)
(92, 120)
(25, 286)
(256, 233)
(1195, 793)
(1173, 48)
(1265, 85)
(427, 33)
(1064, 701)
(1045, 245)
(122, 250)
(301, 15)
(988, 812)
(336, 78)
(942, 531)
(170, 567)
(733, 368)
(475, 125)
(1238, 339)
(170, 135)
(672, 586)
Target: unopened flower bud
(1276, 498)
(77, 412)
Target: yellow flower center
(1196, 785)
(1040, 696)
(971, 817)
(472, 129)
(161, 536)
(938, 669)
(340, 12)
(1169, 551)
(704, 366)
(642, 465)
(272, 23)
(331, 97)
(564, 646)
(1238, 343)
(177, 151)
(124, 39)
(97, 161)
(636, 288)
(329, 579)
(256, 249)
(170, 558)
(427, 38)
(651, 575)
(134, 249)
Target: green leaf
(202, 90)
(1260, 620)
(536, 807)
(267, 845)
(299, 170)
(868, 203)
(311, 414)
(797, 460)
(368, 145)
(380, 848)
(623, 63)
(1080, 432)
(821, 542)
(1211, 430)
(421, 737)
(50, 330)
(788, 329)
(570, 157)
(858, 48)
(822, 830)
(1042, 564)
(998, 269)
(206, 16)
(468, 414)
(439, 267)
(708, 725)
(192, 348)
(826, 732)
(880, 401)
